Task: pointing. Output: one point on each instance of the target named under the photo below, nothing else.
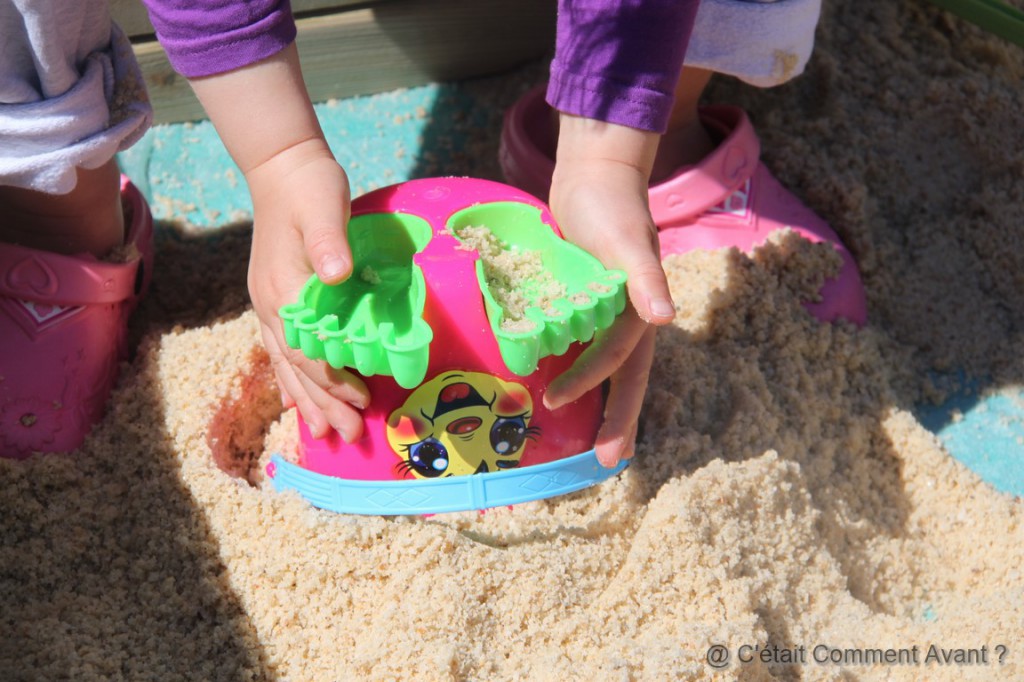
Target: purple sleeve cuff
(619, 60)
(207, 37)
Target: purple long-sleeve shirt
(206, 37)
(615, 60)
(619, 60)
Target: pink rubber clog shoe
(63, 329)
(728, 199)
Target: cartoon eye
(461, 427)
(429, 457)
(508, 435)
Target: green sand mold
(373, 321)
(594, 295)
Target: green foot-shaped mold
(373, 321)
(541, 292)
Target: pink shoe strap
(56, 279)
(695, 189)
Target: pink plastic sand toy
(457, 419)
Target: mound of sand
(783, 495)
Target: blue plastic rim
(438, 496)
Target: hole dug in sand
(242, 419)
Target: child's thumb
(327, 248)
(647, 284)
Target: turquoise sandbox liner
(984, 429)
(186, 173)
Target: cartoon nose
(464, 425)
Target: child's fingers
(314, 417)
(291, 387)
(304, 381)
(608, 352)
(617, 436)
(339, 384)
(344, 418)
(610, 449)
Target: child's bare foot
(687, 141)
(88, 219)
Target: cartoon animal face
(461, 423)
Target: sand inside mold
(515, 277)
(783, 494)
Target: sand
(516, 277)
(783, 496)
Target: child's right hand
(300, 201)
(301, 206)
